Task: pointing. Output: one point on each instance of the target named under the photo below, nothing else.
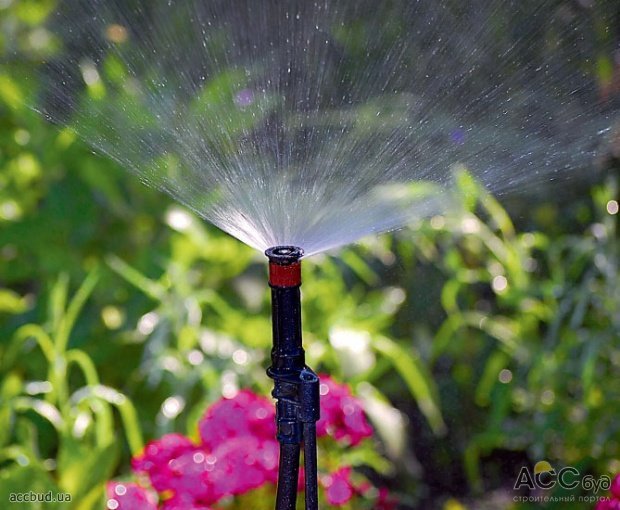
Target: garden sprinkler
(296, 387)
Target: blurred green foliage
(477, 345)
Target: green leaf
(479, 446)
(125, 408)
(82, 466)
(499, 327)
(153, 289)
(24, 333)
(10, 93)
(467, 187)
(417, 378)
(75, 306)
(28, 480)
(11, 302)
(495, 363)
(44, 409)
(388, 422)
(366, 456)
(360, 267)
(589, 365)
(58, 300)
(11, 387)
(605, 69)
(34, 12)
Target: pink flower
(338, 487)
(385, 501)
(240, 434)
(187, 477)
(129, 496)
(342, 416)
(176, 465)
(243, 464)
(608, 504)
(238, 451)
(301, 479)
(247, 414)
(615, 487)
(197, 476)
(156, 457)
(180, 502)
(612, 503)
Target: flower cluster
(340, 489)
(238, 453)
(613, 503)
(342, 416)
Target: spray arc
(296, 386)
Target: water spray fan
(310, 125)
(296, 386)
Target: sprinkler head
(284, 266)
(284, 255)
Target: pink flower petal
(338, 487)
(342, 415)
(129, 496)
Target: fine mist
(316, 123)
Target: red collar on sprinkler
(284, 266)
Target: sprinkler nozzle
(284, 255)
(284, 266)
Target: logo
(544, 476)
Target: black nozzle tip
(284, 255)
